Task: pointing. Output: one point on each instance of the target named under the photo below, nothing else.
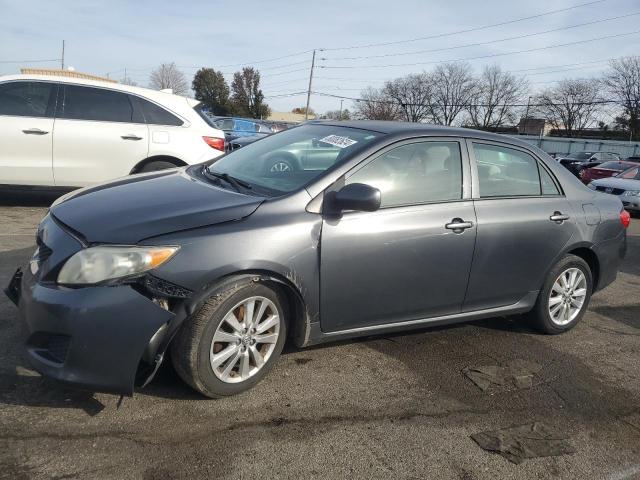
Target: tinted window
(156, 115)
(225, 124)
(506, 172)
(86, 103)
(415, 173)
(25, 99)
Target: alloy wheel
(567, 296)
(245, 339)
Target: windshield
(288, 160)
(580, 155)
(614, 166)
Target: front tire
(564, 297)
(233, 341)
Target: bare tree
(452, 90)
(622, 81)
(497, 92)
(166, 76)
(344, 114)
(412, 95)
(571, 105)
(375, 105)
(126, 80)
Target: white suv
(71, 132)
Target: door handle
(34, 131)
(558, 217)
(130, 136)
(458, 225)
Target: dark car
(604, 170)
(396, 226)
(577, 161)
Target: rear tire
(155, 166)
(199, 349)
(564, 297)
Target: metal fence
(569, 145)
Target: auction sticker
(338, 141)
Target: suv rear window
(156, 115)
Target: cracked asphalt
(395, 406)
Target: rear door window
(99, 104)
(507, 172)
(27, 99)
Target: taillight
(625, 218)
(214, 142)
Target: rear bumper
(92, 337)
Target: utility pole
(313, 62)
(62, 59)
(340, 115)
(526, 116)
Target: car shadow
(28, 198)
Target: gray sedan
(393, 227)
(626, 185)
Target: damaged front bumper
(106, 338)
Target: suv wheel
(564, 297)
(232, 342)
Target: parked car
(626, 185)
(240, 127)
(603, 170)
(408, 226)
(577, 161)
(71, 132)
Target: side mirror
(355, 196)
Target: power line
(482, 56)
(392, 102)
(31, 61)
(489, 42)
(468, 30)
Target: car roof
(163, 98)
(427, 129)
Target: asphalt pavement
(382, 407)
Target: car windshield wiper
(236, 183)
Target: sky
(278, 37)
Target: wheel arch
(157, 158)
(589, 256)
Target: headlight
(631, 193)
(97, 264)
(591, 186)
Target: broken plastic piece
(525, 441)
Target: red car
(604, 170)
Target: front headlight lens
(632, 193)
(591, 186)
(98, 264)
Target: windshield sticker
(338, 141)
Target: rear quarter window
(156, 115)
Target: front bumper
(92, 337)
(631, 203)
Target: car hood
(624, 183)
(133, 208)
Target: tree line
(451, 94)
(243, 98)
